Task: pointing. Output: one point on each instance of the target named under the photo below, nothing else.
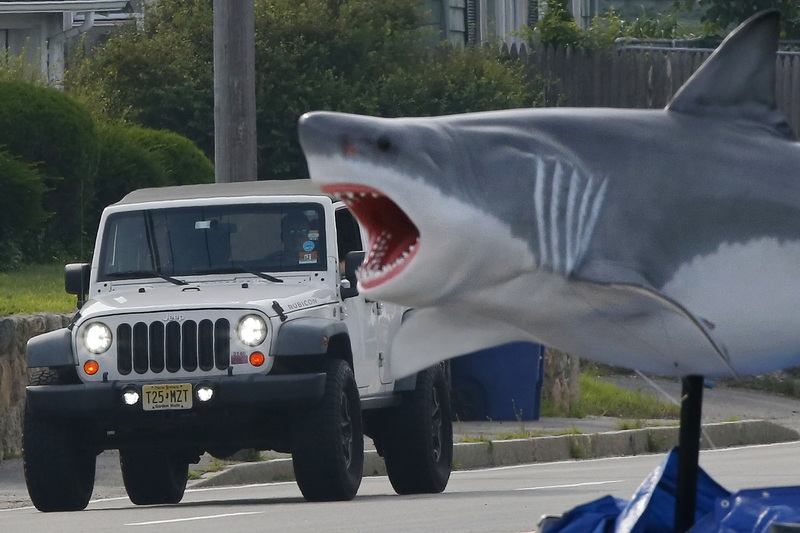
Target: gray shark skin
(662, 240)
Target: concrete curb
(468, 456)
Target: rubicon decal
(302, 303)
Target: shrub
(42, 126)
(558, 27)
(181, 159)
(21, 213)
(123, 165)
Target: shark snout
(326, 134)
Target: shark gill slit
(555, 207)
(571, 232)
(565, 226)
(538, 197)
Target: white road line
(192, 518)
(574, 485)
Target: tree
(159, 74)
(343, 55)
(721, 16)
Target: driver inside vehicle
(297, 247)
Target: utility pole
(234, 91)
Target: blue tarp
(652, 507)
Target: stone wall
(14, 334)
(561, 380)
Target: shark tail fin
(738, 79)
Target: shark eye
(384, 144)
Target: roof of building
(61, 6)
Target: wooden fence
(638, 77)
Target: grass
(214, 466)
(600, 398)
(34, 289)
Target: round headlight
(252, 330)
(97, 337)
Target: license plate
(167, 396)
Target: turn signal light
(91, 367)
(257, 359)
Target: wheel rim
(347, 431)
(436, 425)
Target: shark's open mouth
(393, 238)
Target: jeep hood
(249, 294)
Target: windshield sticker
(313, 234)
(301, 304)
(307, 258)
(308, 246)
(202, 224)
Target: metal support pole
(688, 453)
(234, 91)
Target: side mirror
(352, 261)
(76, 280)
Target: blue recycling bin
(501, 383)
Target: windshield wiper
(132, 274)
(239, 269)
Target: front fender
(53, 348)
(307, 336)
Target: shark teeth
(350, 197)
(375, 267)
(393, 237)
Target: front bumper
(231, 392)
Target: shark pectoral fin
(703, 325)
(654, 332)
(431, 335)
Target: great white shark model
(662, 240)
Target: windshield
(213, 239)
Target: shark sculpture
(663, 240)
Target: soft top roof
(223, 190)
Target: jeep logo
(176, 318)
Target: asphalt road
(721, 403)
(509, 499)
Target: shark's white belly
(750, 294)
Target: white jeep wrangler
(218, 318)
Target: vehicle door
(361, 316)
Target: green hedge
(21, 213)
(182, 160)
(43, 126)
(67, 166)
(123, 165)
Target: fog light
(91, 367)
(204, 393)
(257, 359)
(130, 396)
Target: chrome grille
(173, 346)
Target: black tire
(153, 477)
(328, 440)
(59, 467)
(418, 437)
